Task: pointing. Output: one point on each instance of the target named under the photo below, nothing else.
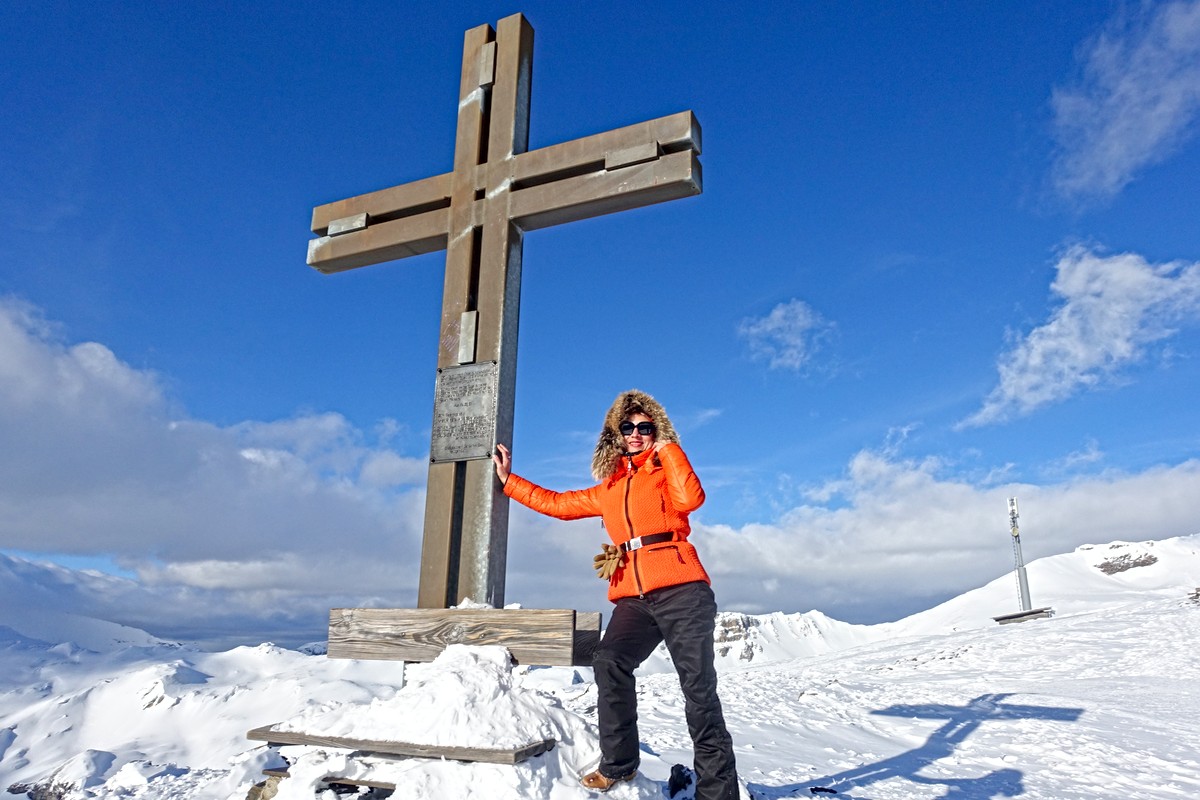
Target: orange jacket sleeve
(563, 505)
(683, 486)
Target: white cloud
(386, 468)
(95, 460)
(702, 417)
(1136, 101)
(787, 337)
(216, 604)
(1113, 308)
(908, 536)
(29, 381)
(1090, 454)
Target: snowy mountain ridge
(1095, 702)
(1090, 577)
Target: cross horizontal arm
(603, 191)
(406, 199)
(672, 133)
(380, 241)
(630, 167)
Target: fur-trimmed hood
(611, 445)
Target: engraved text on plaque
(464, 412)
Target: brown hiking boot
(602, 783)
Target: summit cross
(478, 214)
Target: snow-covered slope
(743, 639)
(1090, 578)
(1096, 702)
(1094, 705)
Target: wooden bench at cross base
(380, 749)
(488, 755)
(544, 637)
(534, 637)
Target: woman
(645, 492)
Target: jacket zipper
(637, 576)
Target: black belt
(642, 541)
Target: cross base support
(545, 637)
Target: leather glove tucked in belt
(607, 562)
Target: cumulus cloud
(787, 337)
(893, 536)
(280, 608)
(909, 536)
(1135, 103)
(1113, 308)
(97, 460)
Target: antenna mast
(1022, 580)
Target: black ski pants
(683, 616)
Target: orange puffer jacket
(653, 494)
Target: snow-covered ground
(1098, 701)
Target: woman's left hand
(502, 459)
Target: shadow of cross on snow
(961, 722)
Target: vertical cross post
(465, 551)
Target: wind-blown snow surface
(1096, 702)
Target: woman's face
(636, 441)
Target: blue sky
(945, 254)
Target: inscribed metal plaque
(464, 412)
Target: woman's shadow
(961, 722)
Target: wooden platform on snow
(374, 747)
(545, 637)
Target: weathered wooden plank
(487, 755)
(532, 636)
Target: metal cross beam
(479, 213)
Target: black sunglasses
(644, 428)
